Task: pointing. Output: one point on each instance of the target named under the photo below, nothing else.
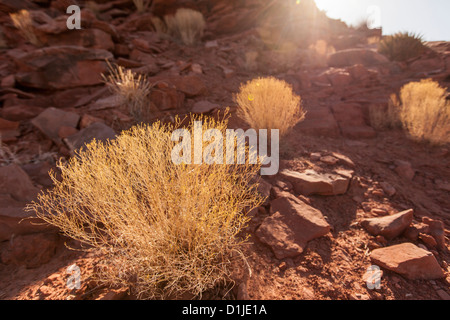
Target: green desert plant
(425, 111)
(269, 103)
(131, 89)
(186, 25)
(165, 229)
(402, 46)
(22, 20)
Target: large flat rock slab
(311, 182)
(292, 224)
(98, 131)
(408, 260)
(350, 57)
(15, 182)
(61, 67)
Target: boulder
(21, 112)
(344, 159)
(292, 224)
(329, 160)
(264, 188)
(436, 230)
(414, 230)
(319, 121)
(350, 57)
(31, 250)
(9, 130)
(191, 85)
(8, 81)
(310, 182)
(338, 77)
(14, 220)
(15, 182)
(351, 121)
(204, 107)
(61, 67)
(16, 190)
(427, 65)
(408, 260)
(51, 120)
(87, 38)
(359, 72)
(166, 98)
(98, 131)
(39, 172)
(388, 188)
(87, 120)
(146, 59)
(389, 226)
(55, 33)
(109, 102)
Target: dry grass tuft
(131, 89)
(141, 5)
(401, 46)
(187, 25)
(386, 117)
(425, 111)
(165, 229)
(159, 25)
(22, 20)
(269, 103)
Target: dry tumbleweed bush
(425, 111)
(22, 20)
(165, 229)
(131, 89)
(187, 25)
(386, 117)
(269, 103)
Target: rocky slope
(348, 196)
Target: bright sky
(430, 18)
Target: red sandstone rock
(292, 224)
(389, 226)
(408, 260)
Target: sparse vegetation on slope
(186, 25)
(22, 20)
(425, 111)
(131, 89)
(165, 229)
(402, 46)
(269, 103)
